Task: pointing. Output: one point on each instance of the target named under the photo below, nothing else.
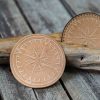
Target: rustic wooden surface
(20, 17)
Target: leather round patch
(83, 29)
(37, 61)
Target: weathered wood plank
(77, 86)
(54, 92)
(12, 89)
(92, 79)
(45, 16)
(11, 22)
(81, 6)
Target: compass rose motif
(37, 60)
(84, 30)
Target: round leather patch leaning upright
(84, 29)
(37, 61)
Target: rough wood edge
(78, 55)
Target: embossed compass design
(83, 29)
(37, 61)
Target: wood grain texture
(77, 86)
(11, 22)
(81, 6)
(91, 79)
(55, 92)
(12, 89)
(45, 16)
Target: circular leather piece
(83, 29)
(37, 61)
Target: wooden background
(20, 17)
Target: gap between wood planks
(66, 90)
(68, 8)
(24, 17)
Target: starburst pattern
(84, 30)
(38, 60)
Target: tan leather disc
(37, 61)
(84, 29)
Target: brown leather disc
(83, 29)
(37, 61)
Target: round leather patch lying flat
(83, 29)
(37, 61)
